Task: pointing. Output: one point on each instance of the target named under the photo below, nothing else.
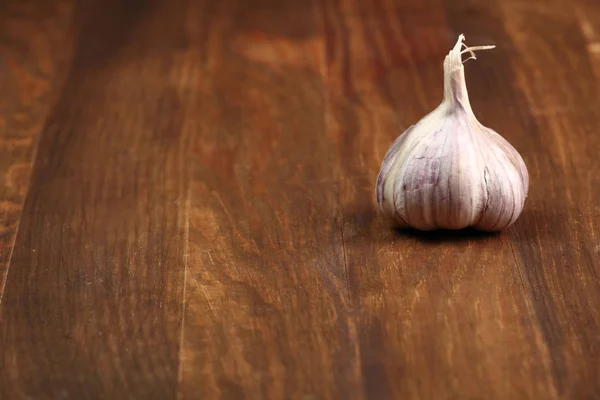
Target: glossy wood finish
(187, 202)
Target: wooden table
(187, 202)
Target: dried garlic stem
(455, 88)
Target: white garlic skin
(449, 171)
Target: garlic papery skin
(448, 171)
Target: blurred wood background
(187, 202)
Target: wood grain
(198, 220)
(93, 302)
(267, 311)
(30, 74)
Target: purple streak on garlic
(448, 171)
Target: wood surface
(187, 202)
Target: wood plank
(587, 13)
(267, 313)
(456, 315)
(558, 243)
(35, 45)
(93, 302)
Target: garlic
(448, 171)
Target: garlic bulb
(448, 171)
